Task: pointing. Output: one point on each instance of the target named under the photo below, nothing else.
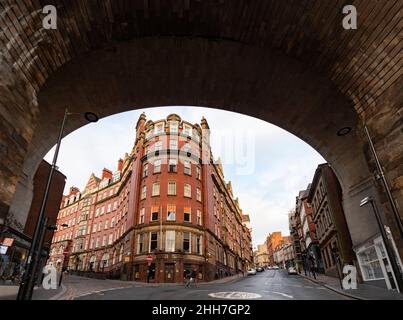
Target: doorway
(169, 272)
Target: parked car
(251, 272)
(292, 270)
(269, 268)
(275, 267)
(259, 269)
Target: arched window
(121, 253)
(92, 263)
(114, 257)
(105, 259)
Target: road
(267, 285)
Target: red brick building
(273, 240)
(167, 199)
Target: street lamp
(390, 253)
(27, 283)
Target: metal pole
(392, 257)
(26, 285)
(385, 183)
(33, 278)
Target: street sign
(149, 259)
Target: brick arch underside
(149, 72)
(153, 72)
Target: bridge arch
(289, 64)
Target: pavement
(364, 291)
(267, 285)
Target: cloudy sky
(267, 165)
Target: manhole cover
(235, 295)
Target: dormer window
(187, 130)
(104, 183)
(159, 128)
(116, 176)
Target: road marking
(235, 295)
(284, 294)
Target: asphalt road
(267, 285)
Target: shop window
(370, 264)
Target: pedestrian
(312, 266)
(187, 278)
(191, 278)
(148, 275)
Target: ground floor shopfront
(374, 263)
(164, 268)
(174, 268)
(14, 249)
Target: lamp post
(390, 253)
(32, 263)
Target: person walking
(312, 266)
(191, 278)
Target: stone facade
(330, 223)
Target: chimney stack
(73, 190)
(120, 165)
(106, 173)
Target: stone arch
(293, 69)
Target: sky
(266, 165)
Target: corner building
(167, 200)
